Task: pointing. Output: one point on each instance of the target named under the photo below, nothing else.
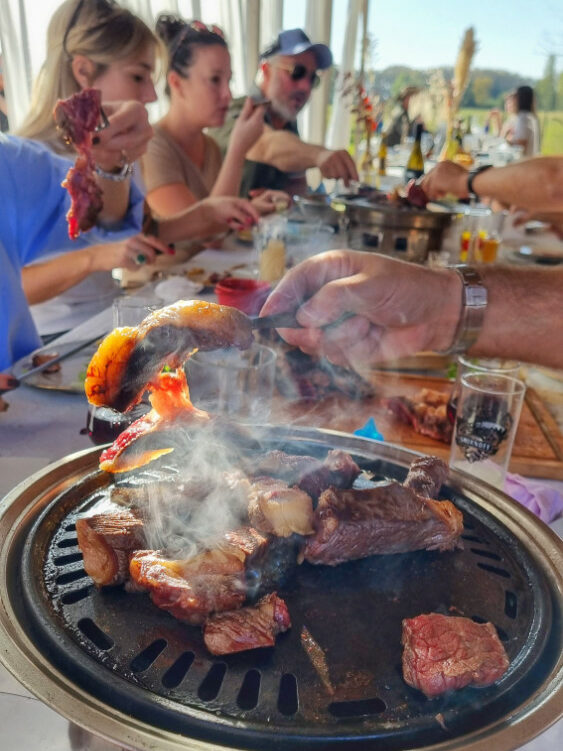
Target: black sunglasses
(299, 72)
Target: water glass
(466, 364)
(236, 384)
(130, 310)
(486, 422)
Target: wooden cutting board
(538, 446)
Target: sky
(512, 35)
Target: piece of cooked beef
(426, 412)
(247, 628)
(426, 476)
(444, 653)
(275, 508)
(241, 564)
(192, 588)
(390, 518)
(312, 475)
(107, 541)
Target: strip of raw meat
(444, 653)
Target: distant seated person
(401, 124)
(287, 75)
(183, 164)
(526, 128)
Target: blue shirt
(33, 208)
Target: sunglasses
(299, 72)
(203, 27)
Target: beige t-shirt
(165, 163)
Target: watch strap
(471, 177)
(473, 306)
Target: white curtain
(318, 21)
(17, 66)
(339, 129)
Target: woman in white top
(526, 129)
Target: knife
(76, 348)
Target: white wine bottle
(415, 164)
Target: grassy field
(551, 128)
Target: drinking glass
(236, 384)
(269, 237)
(486, 421)
(466, 364)
(489, 236)
(130, 310)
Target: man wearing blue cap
(288, 73)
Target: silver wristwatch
(117, 177)
(473, 306)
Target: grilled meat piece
(107, 541)
(275, 508)
(192, 588)
(426, 476)
(444, 653)
(243, 563)
(391, 518)
(247, 628)
(41, 358)
(312, 475)
(129, 359)
(426, 412)
(77, 118)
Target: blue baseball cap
(294, 42)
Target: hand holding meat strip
(247, 628)
(130, 358)
(444, 653)
(77, 118)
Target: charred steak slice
(352, 524)
(426, 476)
(107, 541)
(247, 628)
(444, 653)
(426, 412)
(312, 475)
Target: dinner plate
(72, 372)
(547, 252)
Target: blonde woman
(183, 164)
(98, 43)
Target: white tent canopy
(250, 25)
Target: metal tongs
(288, 321)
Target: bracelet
(471, 177)
(473, 306)
(117, 177)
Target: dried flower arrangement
(455, 89)
(367, 110)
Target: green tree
(559, 104)
(482, 86)
(546, 88)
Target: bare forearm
(285, 151)
(534, 185)
(42, 281)
(524, 316)
(230, 175)
(192, 224)
(116, 201)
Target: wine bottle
(382, 156)
(415, 164)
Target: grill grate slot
(510, 604)
(211, 684)
(71, 576)
(288, 697)
(347, 710)
(95, 634)
(63, 560)
(474, 538)
(145, 659)
(486, 554)
(249, 693)
(495, 570)
(176, 674)
(69, 598)
(68, 542)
